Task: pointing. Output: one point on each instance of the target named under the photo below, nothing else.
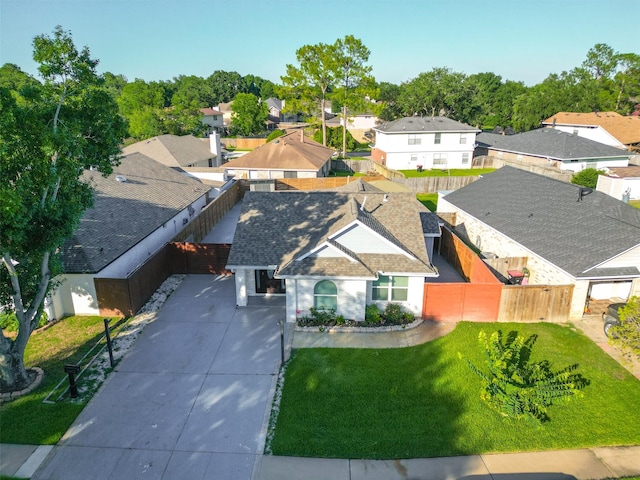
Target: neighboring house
(570, 234)
(621, 183)
(290, 156)
(178, 152)
(550, 147)
(276, 112)
(424, 142)
(226, 110)
(609, 128)
(213, 119)
(333, 250)
(137, 209)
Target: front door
(265, 283)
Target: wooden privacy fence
(200, 226)
(125, 296)
(319, 183)
(535, 303)
(478, 300)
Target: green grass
(634, 203)
(429, 200)
(424, 401)
(454, 172)
(29, 421)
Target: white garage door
(605, 290)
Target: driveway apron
(189, 400)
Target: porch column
(241, 288)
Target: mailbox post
(72, 371)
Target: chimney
(215, 147)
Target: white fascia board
(325, 277)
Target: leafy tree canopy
(56, 130)
(249, 115)
(587, 177)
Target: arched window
(325, 295)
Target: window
(414, 139)
(465, 158)
(390, 288)
(439, 159)
(265, 283)
(414, 157)
(463, 139)
(289, 174)
(437, 138)
(325, 295)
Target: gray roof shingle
(424, 125)
(547, 217)
(125, 213)
(275, 229)
(549, 143)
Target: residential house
(569, 234)
(290, 156)
(424, 142)
(178, 152)
(609, 128)
(277, 114)
(550, 147)
(137, 209)
(335, 250)
(621, 183)
(213, 119)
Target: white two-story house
(424, 143)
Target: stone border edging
(339, 329)
(9, 396)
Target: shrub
(587, 177)
(372, 314)
(393, 313)
(627, 334)
(9, 321)
(517, 388)
(275, 134)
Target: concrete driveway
(189, 400)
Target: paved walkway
(192, 401)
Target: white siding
(350, 295)
(75, 296)
(399, 152)
(360, 239)
(138, 254)
(630, 258)
(597, 134)
(616, 187)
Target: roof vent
(121, 178)
(582, 191)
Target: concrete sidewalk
(596, 463)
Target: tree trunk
(344, 130)
(324, 121)
(13, 374)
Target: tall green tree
(67, 124)
(354, 82)
(249, 115)
(192, 90)
(307, 86)
(225, 86)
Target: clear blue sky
(520, 40)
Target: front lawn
(424, 401)
(454, 172)
(29, 421)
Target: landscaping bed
(424, 401)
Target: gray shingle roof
(173, 150)
(125, 213)
(545, 216)
(277, 228)
(549, 143)
(424, 125)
